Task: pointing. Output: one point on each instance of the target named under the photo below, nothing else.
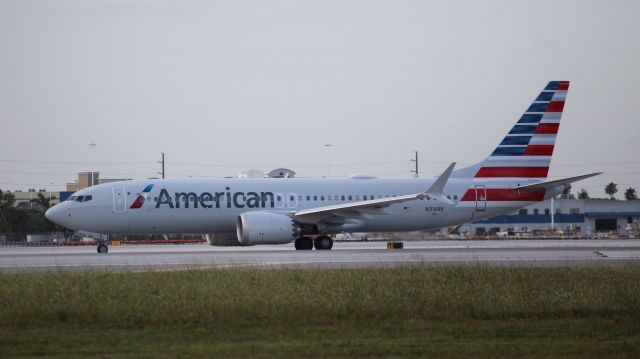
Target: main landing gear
(320, 243)
(102, 248)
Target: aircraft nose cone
(54, 214)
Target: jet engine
(264, 228)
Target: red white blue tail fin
(525, 152)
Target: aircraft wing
(560, 182)
(341, 213)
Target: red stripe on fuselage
(525, 172)
(506, 194)
(547, 128)
(539, 150)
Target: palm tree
(611, 189)
(583, 194)
(44, 202)
(630, 194)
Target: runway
(343, 255)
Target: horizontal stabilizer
(560, 182)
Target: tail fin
(525, 152)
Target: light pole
(162, 162)
(416, 161)
(92, 144)
(328, 147)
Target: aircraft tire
(102, 248)
(304, 243)
(323, 243)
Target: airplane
(308, 211)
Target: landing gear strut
(304, 243)
(102, 248)
(323, 242)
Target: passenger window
(364, 197)
(308, 198)
(322, 198)
(350, 198)
(315, 198)
(343, 198)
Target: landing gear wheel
(323, 242)
(102, 248)
(304, 243)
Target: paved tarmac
(343, 255)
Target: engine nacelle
(264, 228)
(222, 239)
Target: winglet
(437, 187)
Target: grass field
(399, 312)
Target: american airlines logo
(140, 199)
(226, 199)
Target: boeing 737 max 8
(309, 210)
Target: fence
(51, 239)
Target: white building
(582, 217)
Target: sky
(225, 86)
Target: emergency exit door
(481, 198)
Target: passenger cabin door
(119, 199)
(481, 198)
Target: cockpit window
(80, 198)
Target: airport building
(25, 199)
(571, 216)
(88, 179)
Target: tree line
(17, 220)
(611, 189)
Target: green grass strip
(392, 312)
